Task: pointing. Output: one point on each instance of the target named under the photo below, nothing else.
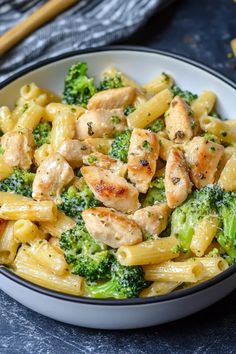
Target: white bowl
(141, 64)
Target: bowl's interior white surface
(141, 66)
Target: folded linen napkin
(90, 23)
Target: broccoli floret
(85, 256)
(42, 133)
(125, 282)
(120, 146)
(156, 126)
(188, 96)
(78, 87)
(19, 182)
(129, 109)
(111, 83)
(185, 217)
(227, 234)
(72, 201)
(156, 193)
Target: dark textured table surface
(201, 30)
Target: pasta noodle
(150, 110)
(148, 252)
(28, 268)
(8, 244)
(190, 272)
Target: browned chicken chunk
(17, 146)
(142, 157)
(152, 219)
(180, 124)
(112, 228)
(112, 190)
(113, 98)
(177, 181)
(104, 161)
(52, 175)
(100, 123)
(203, 156)
(74, 151)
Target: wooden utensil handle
(44, 14)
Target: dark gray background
(201, 30)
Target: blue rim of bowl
(134, 301)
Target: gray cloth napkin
(90, 23)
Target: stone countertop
(200, 30)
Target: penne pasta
(26, 231)
(158, 84)
(26, 267)
(63, 128)
(126, 81)
(102, 145)
(53, 109)
(54, 242)
(149, 252)
(29, 210)
(7, 121)
(204, 233)
(185, 271)
(150, 110)
(30, 117)
(5, 169)
(218, 127)
(213, 266)
(204, 104)
(158, 288)
(45, 255)
(57, 227)
(8, 244)
(42, 153)
(227, 179)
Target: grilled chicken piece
(142, 157)
(113, 98)
(73, 151)
(112, 228)
(18, 148)
(180, 124)
(104, 161)
(177, 181)
(52, 175)
(203, 156)
(100, 123)
(112, 190)
(152, 219)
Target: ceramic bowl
(142, 65)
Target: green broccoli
(72, 201)
(78, 87)
(188, 96)
(185, 217)
(156, 126)
(111, 83)
(19, 182)
(42, 133)
(120, 146)
(155, 193)
(227, 234)
(125, 282)
(129, 109)
(86, 257)
(216, 115)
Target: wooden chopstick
(44, 14)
